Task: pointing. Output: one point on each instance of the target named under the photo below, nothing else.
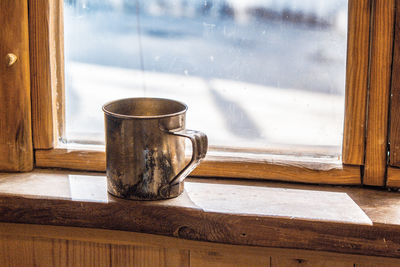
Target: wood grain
(122, 255)
(356, 82)
(38, 251)
(67, 198)
(50, 252)
(52, 243)
(15, 112)
(395, 96)
(88, 254)
(380, 75)
(16, 251)
(305, 262)
(47, 71)
(40, 54)
(380, 264)
(215, 258)
(292, 170)
(393, 177)
(186, 220)
(57, 64)
(75, 159)
(148, 256)
(174, 257)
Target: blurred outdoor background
(258, 74)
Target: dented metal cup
(145, 148)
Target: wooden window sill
(323, 218)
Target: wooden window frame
(368, 77)
(393, 171)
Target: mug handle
(199, 149)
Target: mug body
(141, 156)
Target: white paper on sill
(276, 202)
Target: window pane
(261, 74)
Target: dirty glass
(259, 75)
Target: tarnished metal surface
(145, 148)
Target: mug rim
(113, 114)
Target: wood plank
(183, 219)
(378, 105)
(304, 261)
(293, 170)
(215, 258)
(211, 212)
(395, 95)
(141, 255)
(50, 252)
(148, 256)
(174, 257)
(88, 254)
(16, 251)
(291, 258)
(356, 81)
(209, 195)
(131, 239)
(15, 113)
(91, 187)
(57, 64)
(393, 177)
(41, 68)
(74, 159)
(122, 255)
(304, 172)
(374, 264)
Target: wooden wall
(34, 245)
(16, 152)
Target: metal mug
(145, 148)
